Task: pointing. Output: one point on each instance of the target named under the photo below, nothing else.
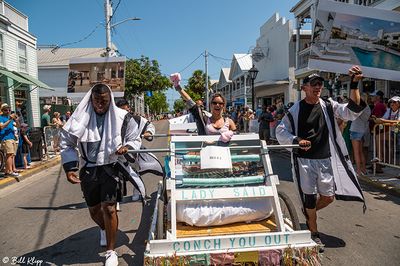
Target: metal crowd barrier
(386, 148)
(51, 140)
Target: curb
(28, 173)
(381, 186)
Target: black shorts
(100, 184)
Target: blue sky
(174, 32)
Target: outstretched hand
(356, 73)
(175, 79)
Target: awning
(15, 77)
(34, 81)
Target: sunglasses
(218, 103)
(315, 83)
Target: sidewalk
(36, 167)
(389, 180)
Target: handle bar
(272, 147)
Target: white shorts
(316, 176)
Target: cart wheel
(160, 220)
(288, 210)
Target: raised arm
(356, 75)
(176, 79)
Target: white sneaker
(14, 174)
(111, 258)
(117, 207)
(136, 195)
(103, 238)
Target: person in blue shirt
(7, 136)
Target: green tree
(179, 105)
(157, 102)
(196, 84)
(143, 75)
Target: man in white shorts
(322, 166)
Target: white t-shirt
(390, 115)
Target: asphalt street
(44, 219)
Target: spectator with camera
(7, 137)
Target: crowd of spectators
(380, 119)
(16, 140)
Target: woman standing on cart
(207, 123)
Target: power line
(116, 8)
(226, 59)
(222, 63)
(81, 40)
(191, 63)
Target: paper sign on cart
(215, 157)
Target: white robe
(81, 129)
(345, 178)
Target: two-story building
(225, 85)
(18, 65)
(241, 83)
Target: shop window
(21, 102)
(22, 57)
(3, 96)
(1, 50)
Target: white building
(53, 65)
(273, 56)
(241, 83)
(18, 65)
(225, 85)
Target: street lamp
(125, 20)
(253, 74)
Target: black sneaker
(316, 239)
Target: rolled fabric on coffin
(220, 212)
(225, 181)
(235, 158)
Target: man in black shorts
(95, 129)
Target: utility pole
(108, 11)
(207, 104)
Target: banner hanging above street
(346, 35)
(86, 72)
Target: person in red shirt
(377, 112)
(379, 107)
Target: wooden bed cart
(277, 240)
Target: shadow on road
(138, 244)
(332, 241)
(73, 206)
(380, 194)
(82, 247)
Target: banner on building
(346, 35)
(86, 72)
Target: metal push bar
(271, 147)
